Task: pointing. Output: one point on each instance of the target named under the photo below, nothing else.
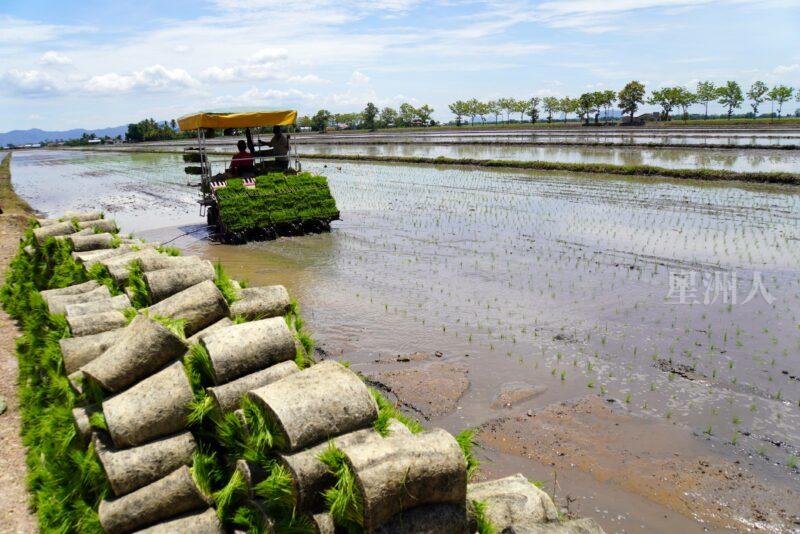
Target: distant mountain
(35, 135)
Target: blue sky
(99, 63)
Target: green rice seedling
(201, 408)
(225, 284)
(176, 326)
(466, 440)
(476, 510)
(197, 364)
(276, 489)
(387, 411)
(98, 420)
(265, 433)
(137, 288)
(231, 496)
(344, 501)
(169, 251)
(130, 313)
(99, 273)
(791, 461)
(206, 471)
(115, 241)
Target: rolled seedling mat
(513, 502)
(261, 302)
(58, 303)
(200, 305)
(119, 302)
(155, 407)
(172, 495)
(404, 471)
(228, 396)
(90, 257)
(165, 261)
(48, 222)
(119, 267)
(310, 477)
(166, 282)
(85, 231)
(78, 351)
(429, 519)
(205, 522)
(90, 241)
(225, 321)
(130, 469)
(81, 216)
(323, 523)
(94, 323)
(99, 225)
(29, 250)
(52, 230)
(323, 401)
(77, 289)
(244, 348)
(144, 347)
(83, 428)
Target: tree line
(628, 100)
(371, 118)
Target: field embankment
(13, 498)
(593, 168)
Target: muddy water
(548, 286)
(744, 161)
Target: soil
(639, 457)
(430, 390)
(15, 515)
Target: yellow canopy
(249, 119)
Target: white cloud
(33, 82)
(155, 78)
(52, 57)
(786, 69)
(358, 78)
(266, 64)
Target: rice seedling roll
(244, 348)
(143, 347)
(155, 407)
(172, 495)
(130, 469)
(200, 305)
(321, 402)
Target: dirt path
(14, 513)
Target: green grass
(785, 178)
(231, 496)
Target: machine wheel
(212, 216)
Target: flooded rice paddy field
(664, 313)
(639, 138)
(673, 158)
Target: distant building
(95, 141)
